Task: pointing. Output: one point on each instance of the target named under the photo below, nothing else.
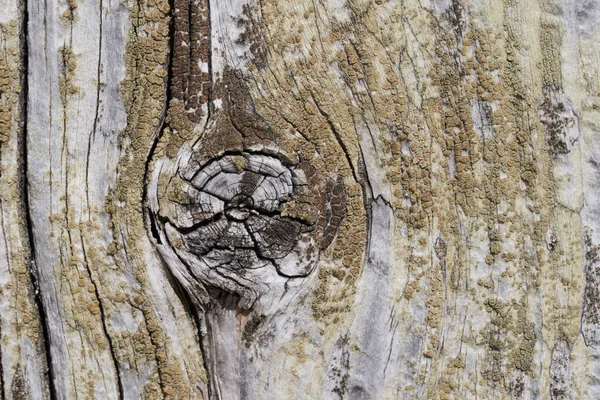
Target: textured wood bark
(116, 327)
(23, 367)
(359, 199)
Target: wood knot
(240, 216)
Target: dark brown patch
(191, 46)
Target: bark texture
(273, 199)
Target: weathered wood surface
(361, 199)
(22, 356)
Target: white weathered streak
(73, 153)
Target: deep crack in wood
(236, 216)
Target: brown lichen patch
(457, 150)
(297, 100)
(551, 41)
(434, 318)
(67, 65)
(480, 148)
(451, 112)
(238, 131)
(190, 72)
(337, 282)
(590, 316)
(144, 95)
(522, 356)
(69, 13)
(80, 268)
(149, 341)
(252, 36)
(18, 387)
(557, 117)
(179, 128)
(19, 317)
(10, 91)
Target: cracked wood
(345, 199)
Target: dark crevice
(339, 140)
(198, 318)
(190, 272)
(154, 230)
(210, 106)
(42, 312)
(272, 260)
(148, 221)
(167, 242)
(190, 30)
(277, 215)
(210, 362)
(24, 200)
(92, 135)
(198, 225)
(191, 306)
(192, 310)
(111, 346)
(33, 275)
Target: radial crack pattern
(243, 215)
